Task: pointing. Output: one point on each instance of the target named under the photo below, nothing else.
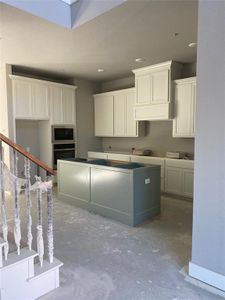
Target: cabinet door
(22, 99)
(68, 106)
(173, 180)
(160, 87)
(40, 101)
(56, 105)
(131, 124)
(143, 86)
(188, 179)
(119, 117)
(183, 124)
(104, 115)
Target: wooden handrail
(27, 154)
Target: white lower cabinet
(188, 180)
(107, 155)
(173, 182)
(117, 156)
(98, 155)
(179, 177)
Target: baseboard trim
(210, 277)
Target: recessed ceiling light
(139, 59)
(101, 70)
(192, 45)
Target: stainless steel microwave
(63, 134)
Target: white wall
(208, 250)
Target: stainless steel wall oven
(63, 151)
(63, 143)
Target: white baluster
(40, 241)
(28, 203)
(4, 221)
(17, 230)
(50, 222)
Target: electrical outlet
(147, 180)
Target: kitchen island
(126, 192)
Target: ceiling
(112, 41)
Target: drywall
(85, 117)
(209, 189)
(158, 133)
(159, 139)
(118, 84)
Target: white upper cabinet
(160, 87)
(154, 93)
(114, 114)
(22, 99)
(179, 177)
(35, 99)
(62, 104)
(40, 101)
(143, 85)
(30, 99)
(133, 128)
(56, 104)
(103, 115)
(119, 115)
(185, 101)
(68, 103)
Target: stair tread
(14, 258)
(38, 270)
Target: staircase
(26, 274)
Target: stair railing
(46, 186)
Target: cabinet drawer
(115, 156)
(180, 163)
(97, 155)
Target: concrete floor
(106, 260)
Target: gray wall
(27, 136)
(159, 139)
(209, 188)
(159, 133)
(85, 117)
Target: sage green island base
(126, 192)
